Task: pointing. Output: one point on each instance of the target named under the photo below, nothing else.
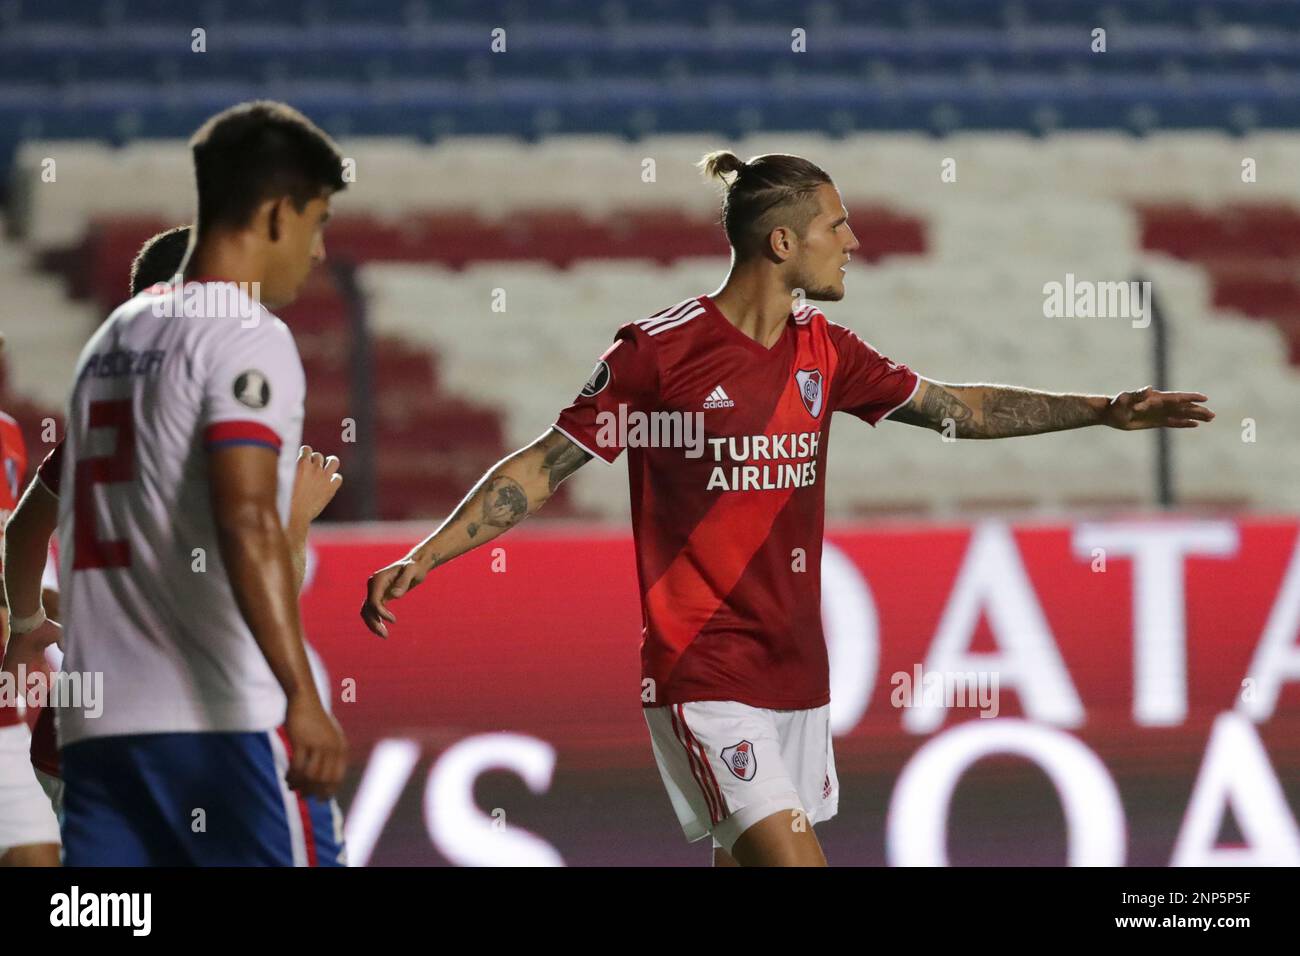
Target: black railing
(360, 487)
(1165, 495)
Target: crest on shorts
(809, 381)
(740, 760)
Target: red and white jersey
(729, 533)
(13, 469)
(145, 597)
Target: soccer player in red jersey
(29, 833)
(734, 664)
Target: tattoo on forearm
(472, 529)
(1012, 411)
(1000, 411)
(504, 502)
(562, 460)
(942, 406)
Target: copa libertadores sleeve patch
(252, 389)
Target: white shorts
(53, 787)
(25, 814)
(727, 765)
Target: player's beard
(823, 294)
(814, 291)
(820, 293)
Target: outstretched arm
(1003, 411)
(513, 489)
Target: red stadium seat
(434, 446)
(1252, 254)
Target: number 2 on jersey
(89, 551)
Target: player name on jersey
(121, 362)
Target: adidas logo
(718, 399)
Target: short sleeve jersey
(726, 444)
(170, 376)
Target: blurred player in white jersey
(158, 261)
(178, 585)
(316, 482)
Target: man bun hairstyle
(257, 151)
(721, 163)
(159, 259)
(775, 189)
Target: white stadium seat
(1021, 213)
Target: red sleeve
(13, 458)
(13, 470)
(867, 384)
(223, 434)
(50, 468)
(626, 377)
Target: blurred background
(523, 184)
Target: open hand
(1147, 408)
(315, 484)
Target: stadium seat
(499, 301)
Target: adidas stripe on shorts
(727, 765)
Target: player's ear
(273, 220)
(779, 243)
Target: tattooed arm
(512, 490)
(1002, 411)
